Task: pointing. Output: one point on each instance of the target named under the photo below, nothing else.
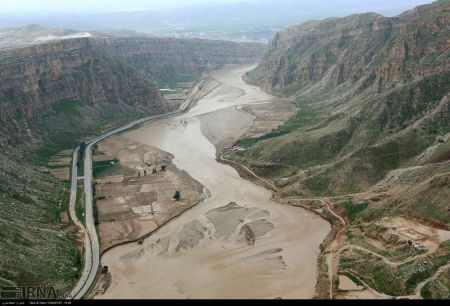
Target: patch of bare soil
(224, 127)
(268, 116)
(132, 206)
(345, 283)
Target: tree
(105, 269)
(177, 195)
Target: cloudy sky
(95, 6)
(35, 6)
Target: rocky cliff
(42, 84)
(53, 95)
(373, 94)
(165, 58)
(360, 47)
(96, 78)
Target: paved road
(92, 246)
(78, 291)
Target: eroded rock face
(48, 86)
(389, 50)
(174, 57)
(373, 94)
(99, 80)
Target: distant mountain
(36, 34)
(32, 34)
(256, 20)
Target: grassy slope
(349, 135)
(37, 248)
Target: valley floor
(235, 242)
(241, 239)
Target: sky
(82, 6)
(100, 6)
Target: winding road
(91, 242)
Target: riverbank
(233, 244)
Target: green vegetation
(110, 167)
(256, 75)
(43, 154)
(307, 116)
(357, 122)
(247, 142)
(394, 281)
(324, 265)
(105, 167)
(179, 81)
(39, 247)
(95, 212)
(353, 210)
(69, 107)
(439, 288)
(391, 247)
(64, 202)
(425, 198)
(79, 205)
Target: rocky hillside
(373, 94)
(365, 47)
(60, 85)
(51, 96)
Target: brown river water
(251, 248)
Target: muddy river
(235, 244)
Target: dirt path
(385, 260)
(419, 287)
(269, 184)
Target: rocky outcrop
(45, 81)
(385, 50)
(174, 57)
(99, 78)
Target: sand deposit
(237, 243)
